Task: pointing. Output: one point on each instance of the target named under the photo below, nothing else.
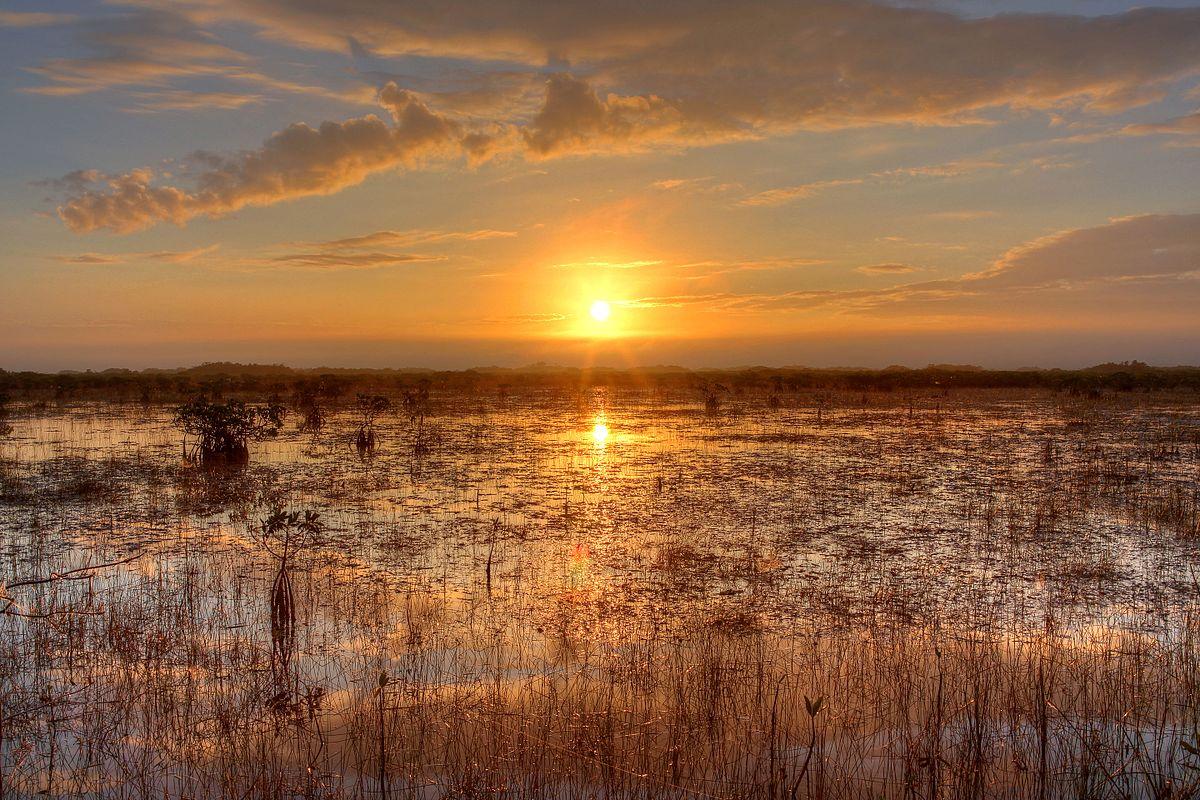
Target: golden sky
(354, 182)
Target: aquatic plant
(283, 534)
(370, 408)
(224, 431)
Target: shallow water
(496, 546)
(650, 494)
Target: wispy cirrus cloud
(887, 269)
(949, 169)
(1187, 126)
(33, 19)
(150, 53)
(376, 249)
(1159, 253)
(166, 256)
(355, 260)
(619, 265)
(412, 237)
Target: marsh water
(488, 545)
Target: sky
(455, 184)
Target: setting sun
(601, 310)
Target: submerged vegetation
(795, 592)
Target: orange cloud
(1158, 255)
(787, 194)
(887, 269)
(655, 75)
(762, 64)
(575, 119)
(296, 162)
(32, 19)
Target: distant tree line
(314, 387)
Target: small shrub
(224, 430)
(370, 408)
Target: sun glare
(601, 310)
(600, 434)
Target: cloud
(714, 300)
(679, 73)
(374, 250)
(153, 49)
(168, 256)
(176, 100)
(964, 215)
(298, 161)
(595, 264)
(32, 19)
(1149, 246)
(1186, 125)
(148, 47)
(886, 269)
(713, 268)
(527, 319)
(681, 69)
(788, 194)
(1156, 255)
(574, 118)
(347, 260)
(412, 237)
(90, 258)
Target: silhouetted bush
(370, 407)
(225, 430)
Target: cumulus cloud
(296, 162)
(575, 118)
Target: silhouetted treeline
(226, 379)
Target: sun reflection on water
(600, 431)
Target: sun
(601, 310)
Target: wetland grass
(985, 594)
